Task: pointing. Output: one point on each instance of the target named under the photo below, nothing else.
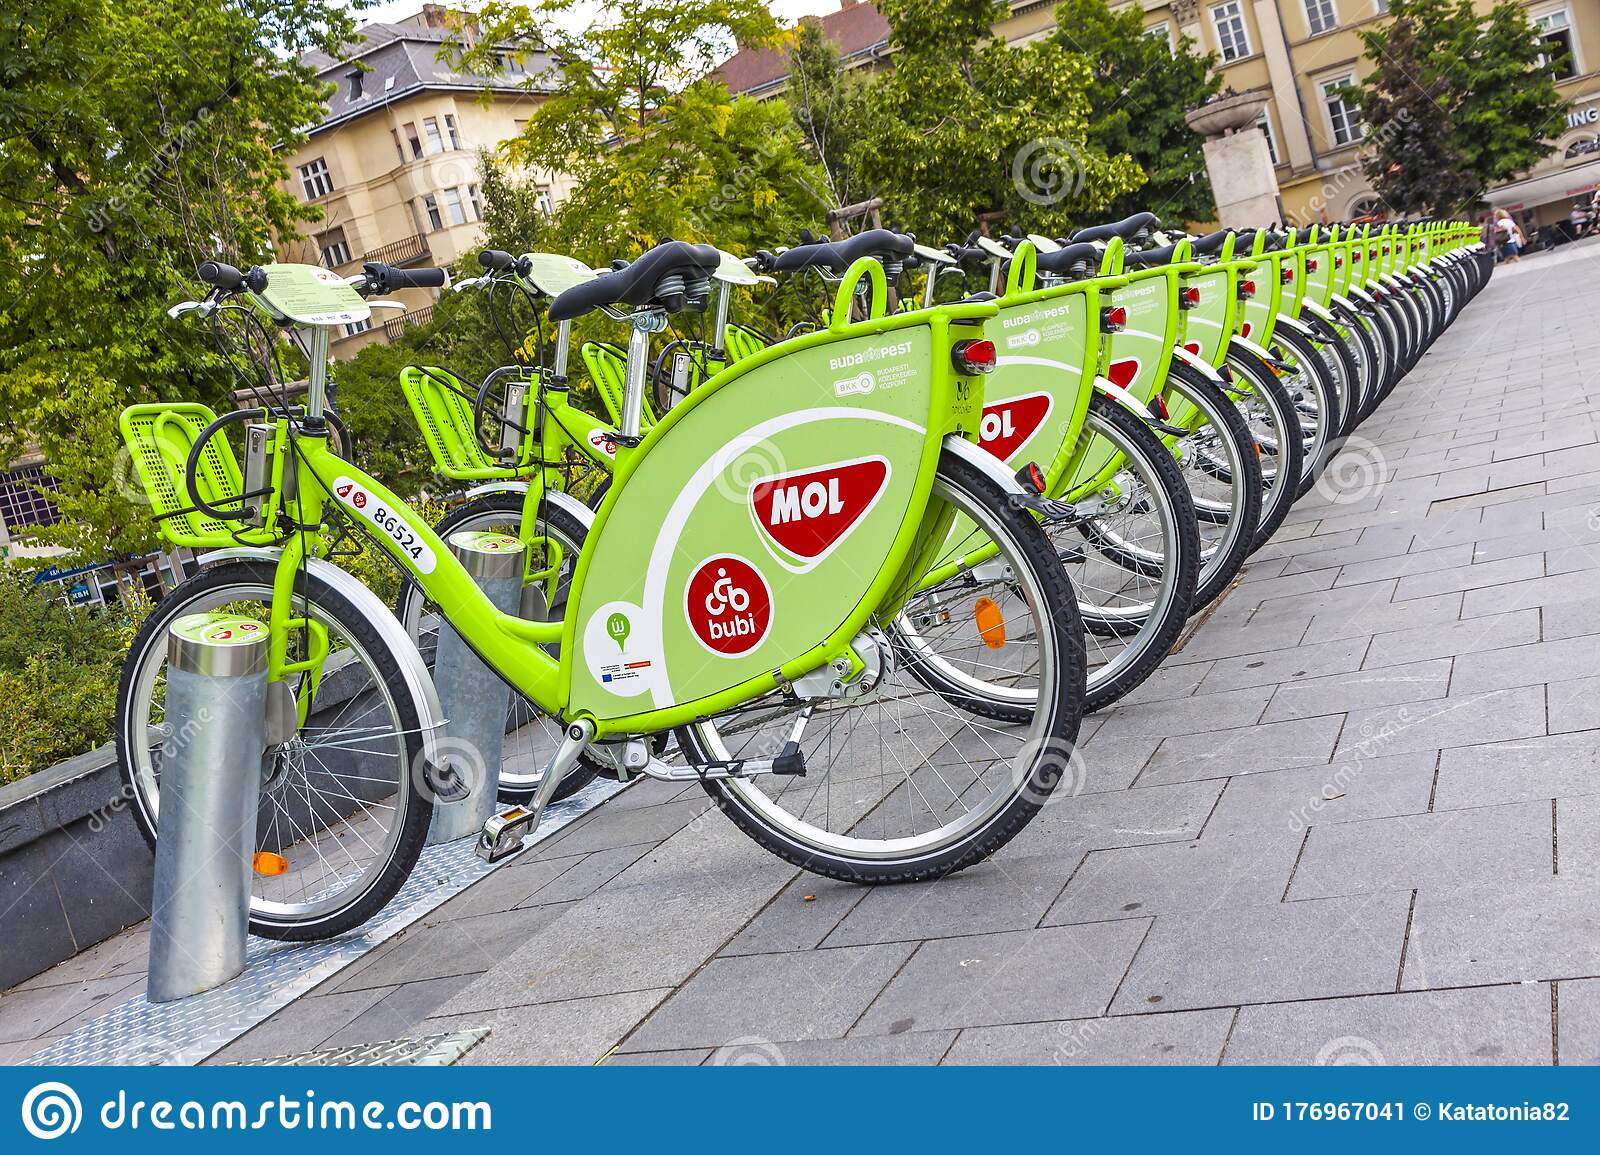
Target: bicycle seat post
(719, 326)
(317, 374)
(558, 367)
(645, 321)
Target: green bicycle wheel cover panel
(1205, 329)
(765, 515)
(1139, 354)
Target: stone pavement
(1355, 818)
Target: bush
(58, 676)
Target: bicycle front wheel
(899, 785)
(341, 818)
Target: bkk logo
(1007, 425)
(806, 514)
(729, 605)
(861, 384)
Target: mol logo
(729, 605)
(1122, 373)
(1007, 425)
(860, 385)
(806, 514)
(603, 443)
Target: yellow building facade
(1304, 51)
(393, 165)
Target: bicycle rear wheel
(899, 786)
(341, 818)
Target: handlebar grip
(382, 278)
(221, 276)
(495, 259)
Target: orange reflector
(990, 621)
(269, 865)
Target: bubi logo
(729, 605)
(1007, 425)
(806, 514)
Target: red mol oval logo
(1122, 373)
(808, 513)
(1007, 425)
(729, 605)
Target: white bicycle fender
(983, 461)
(1193, 361)
(1251, 347)
(1294, 324)
(1123, 398)
(1344, 302)
(565, 500)
(1317, 309)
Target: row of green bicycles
(860, 579)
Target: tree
(137, 139)
(656, 153)
(829, 104)
(967, 126)
(1139, 90)
(1456, 102)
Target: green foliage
(137, 138)
(966, 126)
(829, 103)
(58, 676)
(1138, 91)
(1456, 102)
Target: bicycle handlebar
(223, 276)
(384, 279)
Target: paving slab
(1185, 1037)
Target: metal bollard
(210, 788)
(473, 698)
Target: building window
(435, 141)
(1161, 32)
(1344, 118)
(431, 207)
(1381, 7)
(477, 202)
(416, 143)
(335, 250)
(1320, 16)
(398, 147)
(542, 199)
(450, 130)
(453, 207)
(355, 327)
(355, 85)
(22, 504)
(1555, 30)
(1232, 39)
(1264, 123)
(315, 180)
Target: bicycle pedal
(505, 833)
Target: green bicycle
(752, 620)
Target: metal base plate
(428, 1051)
(190, 1030)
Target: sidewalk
(1355, 819)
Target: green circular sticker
(485, 541)
(220, 629)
